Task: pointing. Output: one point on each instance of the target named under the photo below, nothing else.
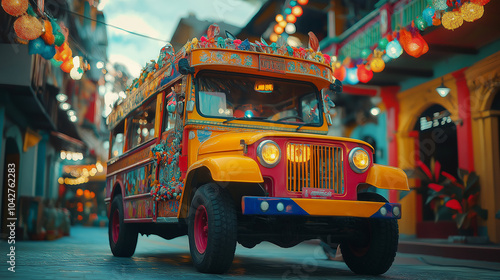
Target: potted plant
(457, 197)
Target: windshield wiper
(243, 118)
(301, 125)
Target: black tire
(122, 236)
(212, 229)
(376, 255)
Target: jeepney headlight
(359, 160)
(269, 153)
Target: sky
(159, 19)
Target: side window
(141, 125)
(117, 140)
(310, 110)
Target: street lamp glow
(71, 113)
(375, 111)
(99, 65)
(73, 118)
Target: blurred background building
(51, 123)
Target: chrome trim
(259, 154)
(351, 163)
(167, 220)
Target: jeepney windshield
(249, 97)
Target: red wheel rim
(201, 229)
(115, 226)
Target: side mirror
(336, 86)
(184, 67)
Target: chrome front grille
(314, 166)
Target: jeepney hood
(231, 141)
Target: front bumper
(255, 205)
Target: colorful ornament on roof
(352, 76)
(364, 74)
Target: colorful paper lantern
(48, 36)
(382, 43)
(297, 11)
(303, 2)
(288, 11)
(377, 64)
(394, 49)
(364, 75)
(15, 8)
(439, 5)
(480, 2)
(67, 65)
(352, 76)
(470, 11)
(293, 3)
(28, 27)
(340, 73)
(279, 18)
(452, 20)
(278, 29)
(413, 43)
(365, 53)
(36, 46)
(291, 18)
(48, 51)
(436, 21)
(420, 23)
(428, 15)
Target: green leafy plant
(458, 197)
(449, 196)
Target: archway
(11, 162)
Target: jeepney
(225, 141)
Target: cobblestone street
(86, 255)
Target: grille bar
(314, 166)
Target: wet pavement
(86, 255)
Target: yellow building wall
(483, 80)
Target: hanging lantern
(273, 37)
(470, 11)
(428, 14)
(288, 11)
(394, 49)
(364, 75)
(382, 43)
(36, 46)
(436, 21)
(421, 23)
(377, 65)
(67, 65)
(279, 18)
(28, 27)
(15, 8)
(278, 29)
(365, 53)
(413, 44)
(282, 23)
(293, 3)
(297, 11)
(48, 51)
(480, 2)
(352, 76)
(48, 36)
(291, 18)
(340, 73)
(439, 5)
(303, 2)
(452, 20)
(76, 73)
(290, 28)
